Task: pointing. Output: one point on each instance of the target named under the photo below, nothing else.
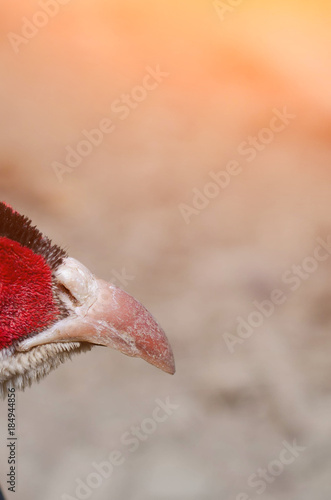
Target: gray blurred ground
(120, 209)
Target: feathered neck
(21, 369)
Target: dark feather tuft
(19, 228)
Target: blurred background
(200, 257)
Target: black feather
(19, 228)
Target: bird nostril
(66, 296)
(77, 281)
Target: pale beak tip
(169, 365)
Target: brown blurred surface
(120, 209)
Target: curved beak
(105, 315)
(119, 321)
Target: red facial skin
(26, 298)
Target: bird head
(52, 306)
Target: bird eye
(76, 284)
